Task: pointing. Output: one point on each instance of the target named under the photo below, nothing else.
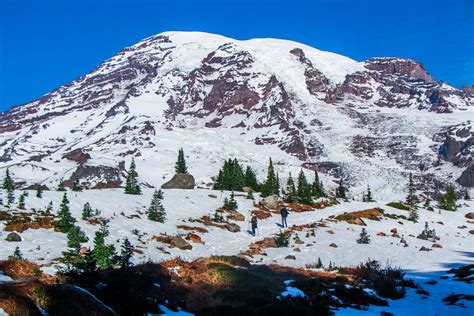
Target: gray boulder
(13, 237)
(180, 181)
(233, 228)
(271, 201)
(180, 243)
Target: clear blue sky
(44, 44)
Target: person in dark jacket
(284, 215)
(253, 223)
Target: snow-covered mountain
(368, 122)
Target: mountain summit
(373, 121)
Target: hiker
(253, 223)
(284, 215)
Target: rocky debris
(290, 257)
(330, 232)
(394, 231)
(180, 181)
(194, 238)
(233, 228)
(13, 237)
(435, 245)
(423, 248)
(267, 242)
(469, 215)
(381, 234)
(96, 177)
(332, 245)
(271, 201)
(77, 155)
(296, 249)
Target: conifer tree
(250, 194)
(413, 215)
(65, 220)
(156, 212)
(131, 183)
(21, 201)
(17, 255)
(86, 211)
(317, 186)
(364, 237)
(72, 257)
(448, 201)
(251, 179)
(270, 186)
(10, 198)
(8, 182)
(341, 190)
(290, 192)
(180, 166)
(367, 197)
(39, 192)
(411, 198)
(126, 254)
(230, 203)
(49, 208)
(76, 186)
(303, 190)
(427, 204)
(319, 264)
(103, 254)
(61, 186)
(281, 240)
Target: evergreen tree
(428, 234)
(180, 166)
(319, 264)
(39, 192)
(290, 192)
(411, 198)
(427, 205)
(270, 186)
(304, 190)
(76, 186)
(17, 255)
(250, 194)
(364, 237)
(466, 195)
(230, 203)
(131, 183)
(76, 237)
(21, 200)
(72, 256)
(65, 220)
(10, 197)
(156, 212)
(448, 201)
(103, 254)
(232, 178)
(367, 197)
(49, 208)
(282, 240)
(61, 186)
(250, 179)
(86, 211)
(341, 190)
(317, 186)
(126, 254)
(413, 215)
(8, 182)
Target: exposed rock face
(180, 243)
(180, 181)
(13, 237)
(78, 156)
(96, 177)
(467, 177)
(232, 227)
(271, 201)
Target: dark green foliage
(448, 201)
(65, 220)
(180, 166)
(319, 264)
(304, 189)
(250, 194)
(413, 215)
(156, 212)
(217, 217)
(230, 203)
(39, 192)
(466, 195)
(49, 208)
(427, 205)
(76, 186)
(341, 190)
(367, 197)
(75, 237)
(231, 176)
(364, 237)
(317, 187)
(61, 186)
(411, 198)
(10, 198)
(398, 205)
(8, 182)
(72, 257)
(16, 255)
(131, 182)
(126, 254)
(281, 240)
(271, 185)
(21, 200)
(290, 191)
(250, 179)
(86, 211)
(103, 254)
(428, 234)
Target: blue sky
(44, 44)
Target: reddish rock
(394, 231)
(436, 246)
(333, 245)
(469, 215)
(382, 234)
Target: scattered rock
(297, 250)
(212, 196)
(381, 234)
(469, 215)
(180, 181)
(13, 237)
(394, 231)
(330, 232)
(436, 246)
(350, 229)
(194, 238)
(290, 257)
(180, 243)
(270, 201)
(233, 228)
(333, 245)
(298, 241)
(471, 232)
(423, 248)
(441, 223)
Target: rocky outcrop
(96, 177)
(13, 237)
(180, 181)
(467, 177)
(77, 155)
(271, 201)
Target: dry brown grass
(355, 217)
(193, 228)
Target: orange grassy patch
(20, 225)
(193, 228)
(355, 217)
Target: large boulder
(271, 201)
(13, 237)
(180, 243)
(233, 228)
(180, 181)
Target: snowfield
(127, 219)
